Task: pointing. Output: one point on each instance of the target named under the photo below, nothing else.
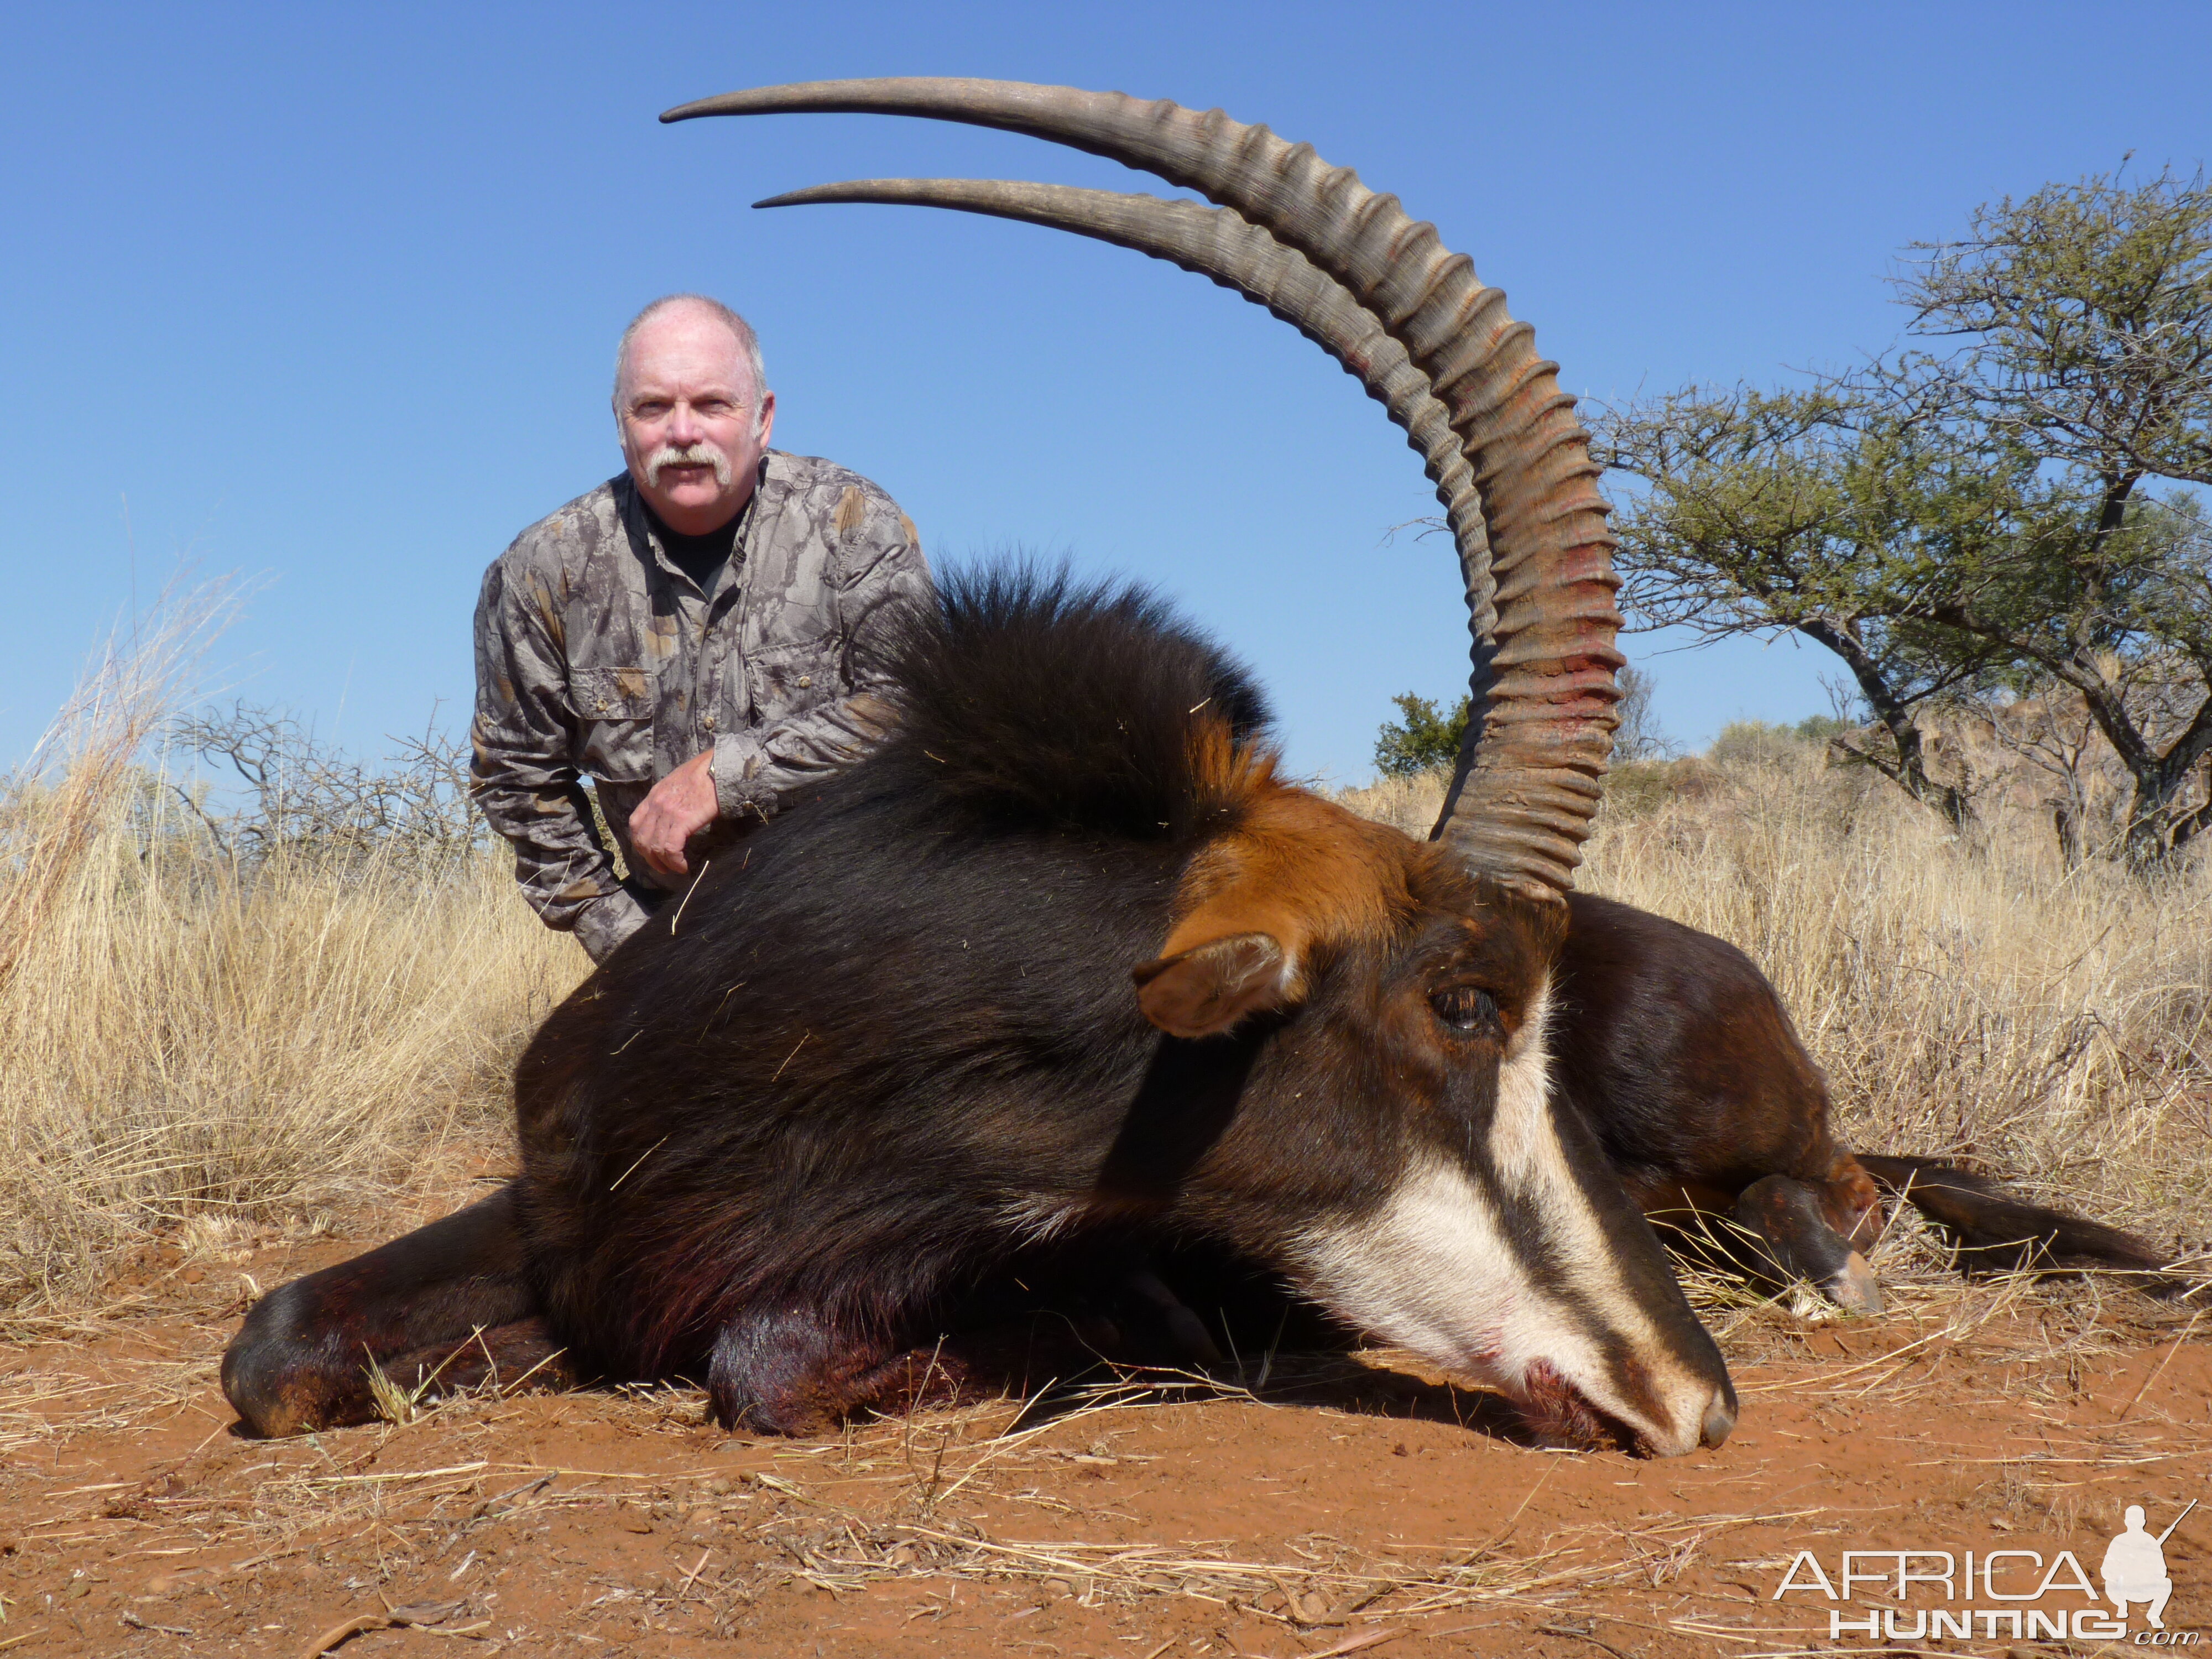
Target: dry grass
(190, 1045)
(1974, 999)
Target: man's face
(690, 431)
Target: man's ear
(1209, 987)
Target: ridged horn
(1220, 243)
(1528, 779)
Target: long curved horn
(1528, 780)
(1221, 244)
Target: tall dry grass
(186, 1039)
(1972, 999)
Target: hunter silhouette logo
(2134, 1568)
(1874, 1592)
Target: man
(699, 634)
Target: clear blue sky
(327, 293)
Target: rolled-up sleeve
(877, 575)
(520, 773)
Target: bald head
(693, 310)
(694, 411)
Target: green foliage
(1980, 522)
(2086, 317)
(1765, 742)
(1424, 739)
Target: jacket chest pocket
(789, 679)
(616, 707)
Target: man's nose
(684, 428)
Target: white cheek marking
(1433, 1270)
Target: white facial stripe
(1531, 1166)
(1433, 1269)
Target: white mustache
(697, 454)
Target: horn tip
(751, 101)
(886, 190)
(798, 97)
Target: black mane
(1026, 697)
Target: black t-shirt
(700, 557)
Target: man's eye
(1467, 1010)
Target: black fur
(891, 1037)
(1030, 700)
(1680, 1055)
(1040, 788)
(1996, 1229)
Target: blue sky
(327, 295)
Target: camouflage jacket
(597, 656)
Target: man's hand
(679, 807)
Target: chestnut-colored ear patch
(1211, 987)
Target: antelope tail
(1997, 1230)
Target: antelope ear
(1209, 987)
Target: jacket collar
(768, 491)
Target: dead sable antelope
(902, 1037)
(1065, 954)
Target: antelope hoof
(1786, 1217)
(1854, 1288)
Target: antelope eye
(1466, 1009)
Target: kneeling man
(698, 634)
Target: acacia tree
(1819, 513)
(2011, 512)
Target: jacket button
(708, 721)
(806, 680)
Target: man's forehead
(687, 344)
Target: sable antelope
(1065, 953)
(903, 1038)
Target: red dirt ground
(1348, 1508)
